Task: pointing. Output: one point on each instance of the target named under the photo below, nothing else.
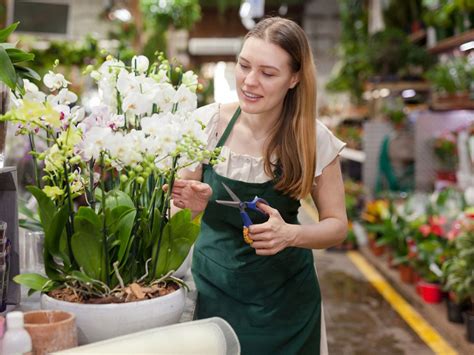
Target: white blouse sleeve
(209, 116)
(328, 147)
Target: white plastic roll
(212, 336)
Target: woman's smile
(249, 96)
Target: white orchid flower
(111, 67)
(165, 97)
(55, 81)
(153, 146)
(140, 63)
(190, 80)
(186, 99)
(32, 92)
(127, 82)
(64, 97)
(137, 103)
(151, 125)
(77, 114)
(94, 142)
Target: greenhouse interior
(128, 128)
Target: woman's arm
(190, 192)
(328, 194)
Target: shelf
(452, 42)
(417, 36)
(352, 154)
(398, 85)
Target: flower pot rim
(175, 293)
(71, 317)
(429, 284)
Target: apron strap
(229, 127)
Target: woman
(268, 290)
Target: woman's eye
(267, 74)
(243, 66)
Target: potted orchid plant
(109, 233)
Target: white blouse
(247, 168)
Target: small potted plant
(451, 82)
(374, 216)
(458, 272)
(446, 153)
(431, 244)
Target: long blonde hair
(293, 139)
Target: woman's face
(263, 76)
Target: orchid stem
(104, 228)
(35, 161)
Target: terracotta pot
(431, 293)
(446, 175)
(390, 262)
(51, 330)
(407, 274)
(376, 249)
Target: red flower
(437, 230)
(425, 230)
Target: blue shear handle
(253, 204)
(246, 219)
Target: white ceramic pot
(103, 321)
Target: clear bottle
(16, 339)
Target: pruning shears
(242, 206)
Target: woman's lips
(251, 96)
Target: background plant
(353, 69)
(12, 71)
(458, 270)
(446, 151)
(453, 75)
(391, 54)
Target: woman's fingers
(266, 208)
(179, 203)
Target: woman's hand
(272, 236)
(191, 194)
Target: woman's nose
(251, 78)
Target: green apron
(272, 302)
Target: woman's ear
(295, 79)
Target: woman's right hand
(191, 194)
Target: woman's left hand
(272, 236)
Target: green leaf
(87, 243)
(52, 269)
(117, 198)
(27, 73)
(179, 235)
(7, 31)
(46, 207)
(123, 218)
(17, 55)
(29, 225)
(7, 71)
(33, 281)
(53, 231)
(8, 45)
